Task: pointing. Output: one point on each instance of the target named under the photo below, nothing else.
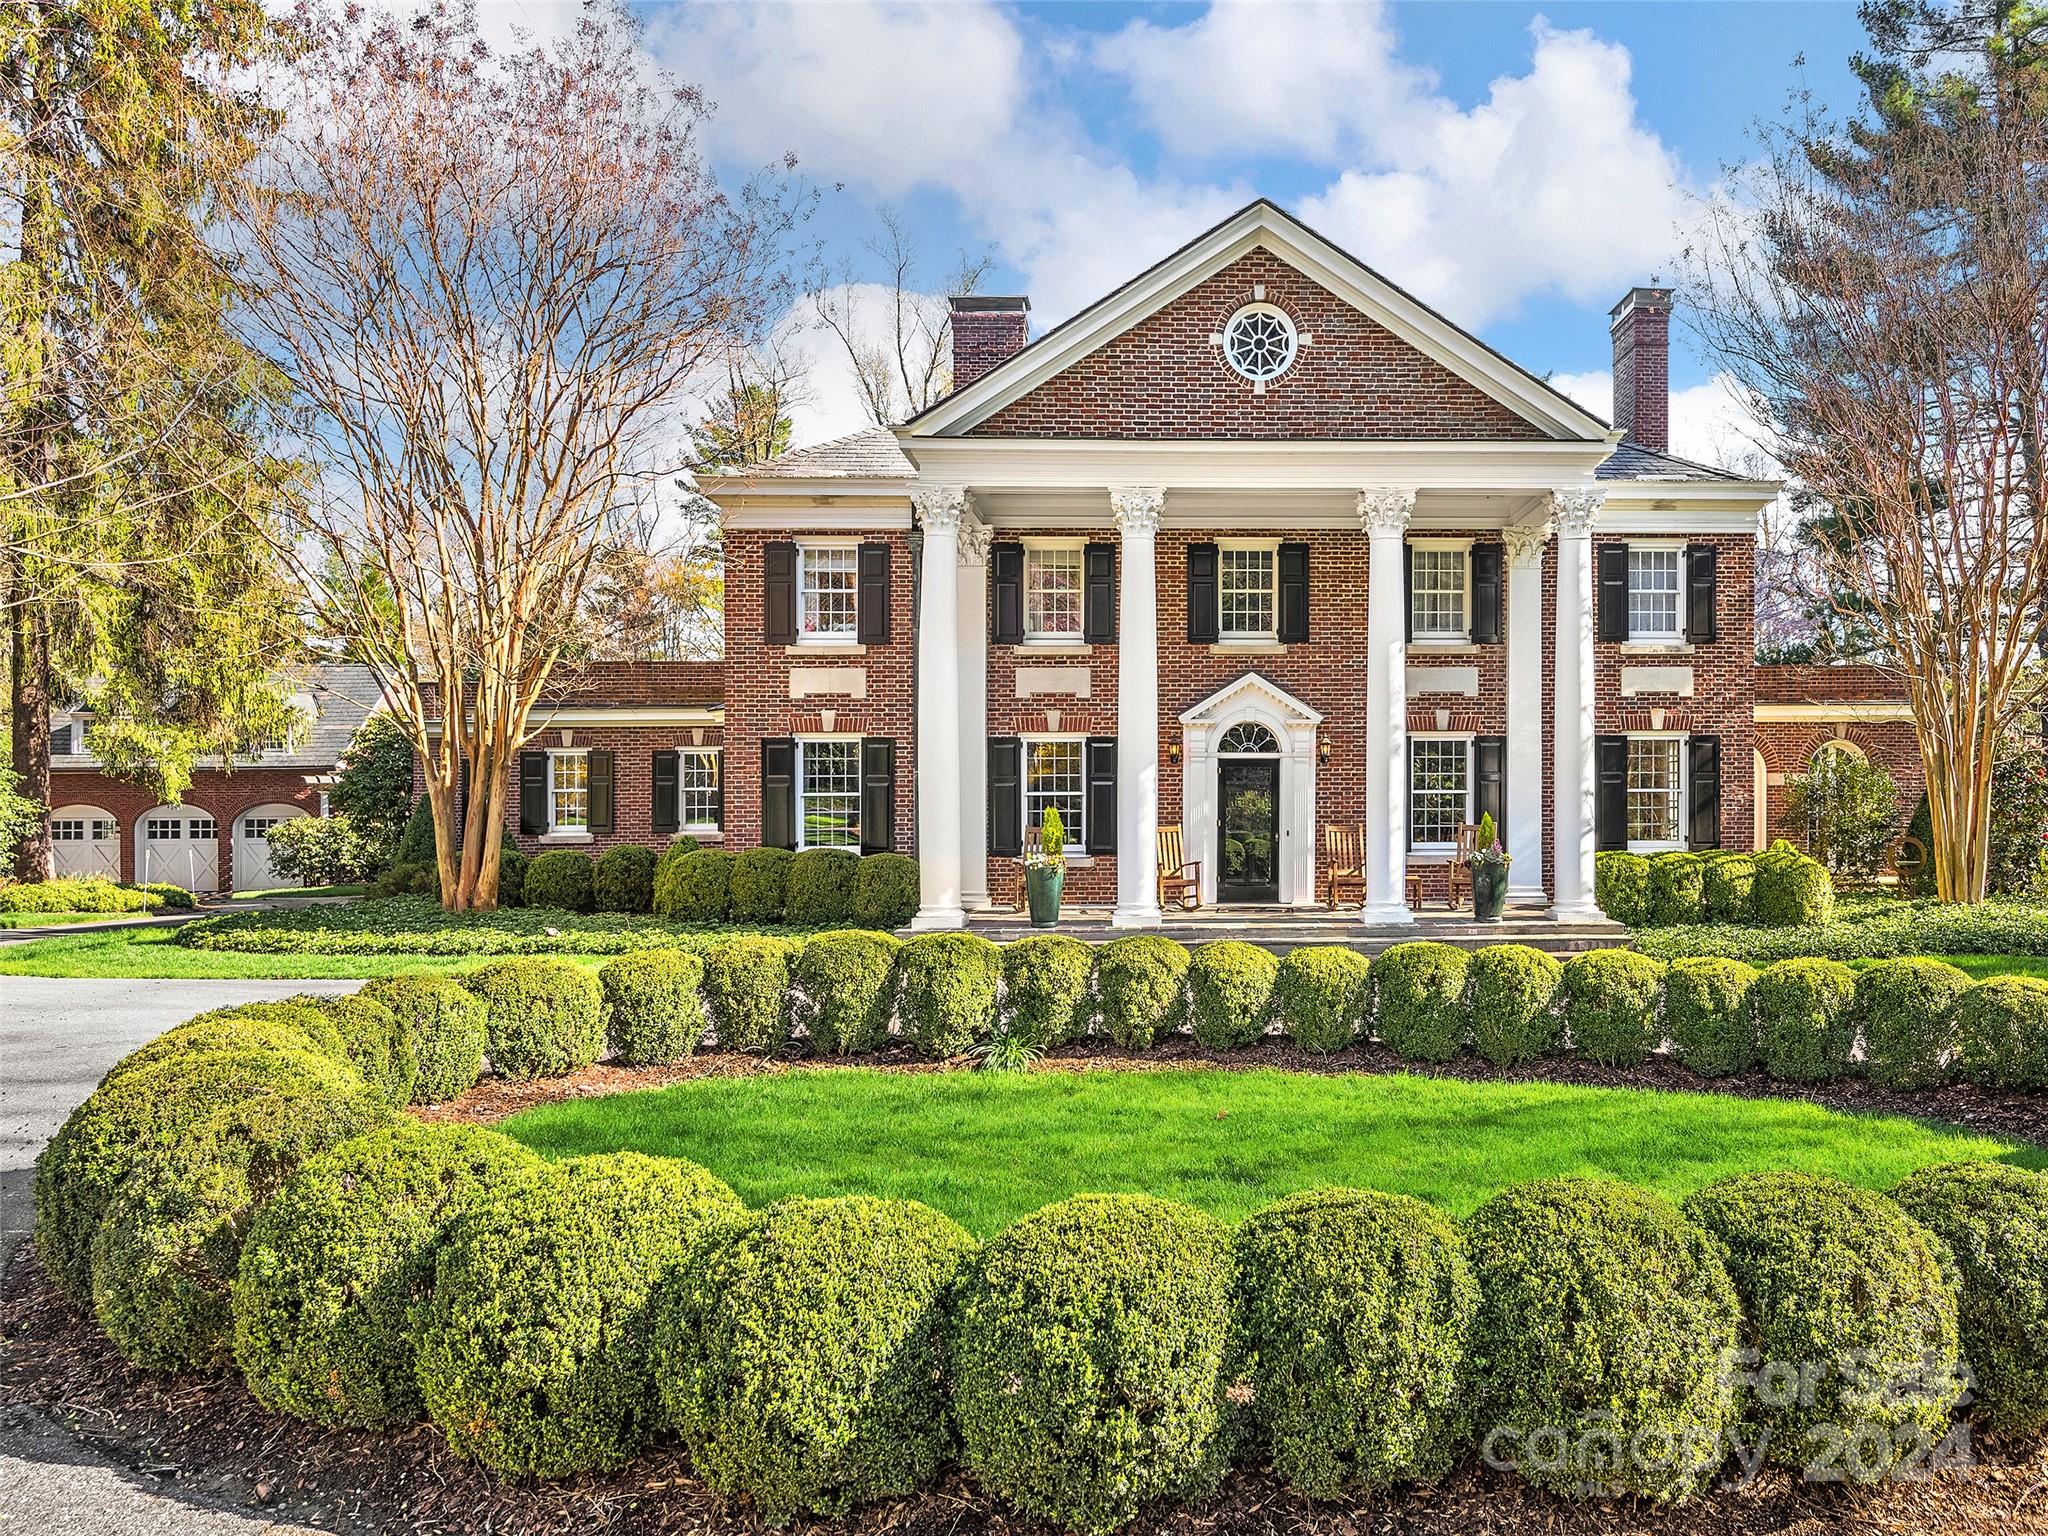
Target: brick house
(1805, 711)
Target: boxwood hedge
(693, 884)
(1230, 992)
(885, 890)
(1904, 1011)
(1045, 985)
(1612, 1002)
(820, 892)
(1319, 996)
(842, 986)
(1418, 995)
(946, 990)
(446, 1026)
(560, 877)
(1707, 1015)
(376, 1045)
(2001, 1032)
(1138, 984)
(1804, 1027)
(746, 985)
(653, 1006)
(760, 885)
(623, 880)
(545, 1017)
(1514, 991)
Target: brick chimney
(987, 330)
(1642, 367)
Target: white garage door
(178, 844)
(251, 861)
(85, 841)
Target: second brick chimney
(987, 330)
(1642, 366)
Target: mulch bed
(1988, 1111)
(206, 1436)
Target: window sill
(1060, 647)
(566, 837)
(825, 648)
(1247, 648)
(1430, 856)
(1655, 648)
(703, 834)
(1442, 648)
(1650, 848)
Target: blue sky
(1519, 166)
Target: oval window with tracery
(1248, 738)
(1259, 341)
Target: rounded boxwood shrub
(841, 983)
(624, 879)
(1803, 1024)
(746, 984)
(1230, 992)
(653, 1008)
(2001, 1032)
(302, 1016)
(561, 877)
(1791, 890)
(546, 1016)
(1850, 1312)
(103, 1138)
(946, 988)
(1137, 986)
(885, 891)
(1612, 1002)
(820, 891)
(335, 1261)
(512, 866)
(1904, 1012)
(1994, 1218)
(444, 1023)
(533, 1356)
(1045, 985)
(1354, 1313)
(218, 1034)
(376, 1045)
(1319, 996)
(760, 885)
(1087, 1350)
(1418, 996)
(1728, 888)
(1676, 894)
(1514, 991)
(165, 1253)
(801, 1353)
(1621, 886)
(692, 884)
(1601, 1348)
(1707, 1014)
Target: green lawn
(59, 919)
(1980, 966)
(301, 890)
(150, 952)
(988, 1147)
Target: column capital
(974, 541)
(1526, 541)
(940, 508)
(1385, 509)
(1137, 507)
(1576, 510)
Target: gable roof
(1262, 224)
(869, 454)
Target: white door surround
(1256, 700)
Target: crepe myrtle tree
(492, 276)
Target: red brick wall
(224, 796)
(632, 749)
(1788, 748)
(1163, 378)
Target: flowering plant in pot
(1489, 865)
(1045, 870)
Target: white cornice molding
(1873, 709)
(795, 517)
(649, 715)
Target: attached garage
(85, 841)
(178, 844)
(249, 865)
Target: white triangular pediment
(1252, 691)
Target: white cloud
(1710, 422)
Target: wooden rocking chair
(1461, 864)
(1342, 842)
(1179, 881)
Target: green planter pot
(1042, 884)
(1489, 891)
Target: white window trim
(1659, 639)
(1227, 637)
(1043, 639)
(683, 822)
(842, 639)
(1463, 634)
(802, 742)
(1024, 745)
(1661, 845)
(1471, 786)
(559, 834)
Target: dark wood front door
(1248, 829)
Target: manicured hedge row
(1778, 888)
(84, 893)
(822, 887)
(1098, 1355)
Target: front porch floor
(1281, 928)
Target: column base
(938, 919)
(1528, 896)
(1135, 917)
(1588, 912)
(1391, 912)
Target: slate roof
(342, 697)
(1632, 461)
(870, 454)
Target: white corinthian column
(939, 511)
(974, 542)
(1137, 509)
(1572, 763)
(1384, 513)
(1525, 545)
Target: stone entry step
(1283, 928)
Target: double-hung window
(1053, 780)
(827, 579)
(1439, 584)
(568, 792)
(697, 786)
(1052, 592)
(1439, 789)
(828, 792)
(1247, 589)
(1656, 593)
(1656, 792)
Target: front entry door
(1248, 829)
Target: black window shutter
(1006, 593)
(778, 602)
(1407, 593)
(778, 792)
(1101, 769)
(1703, 780)
(1293, 594)
(1613, 571)
(533, 792)
(877, 794)
(1005, 797)
(1098, 614)
(1486, 596)
(1489, 781)
(1700, 624)
(600, 793)
(668, 798)
(1610, 793)
(871, 610)
(1202, 611)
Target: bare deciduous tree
(492, 277)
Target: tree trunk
(29, 715)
